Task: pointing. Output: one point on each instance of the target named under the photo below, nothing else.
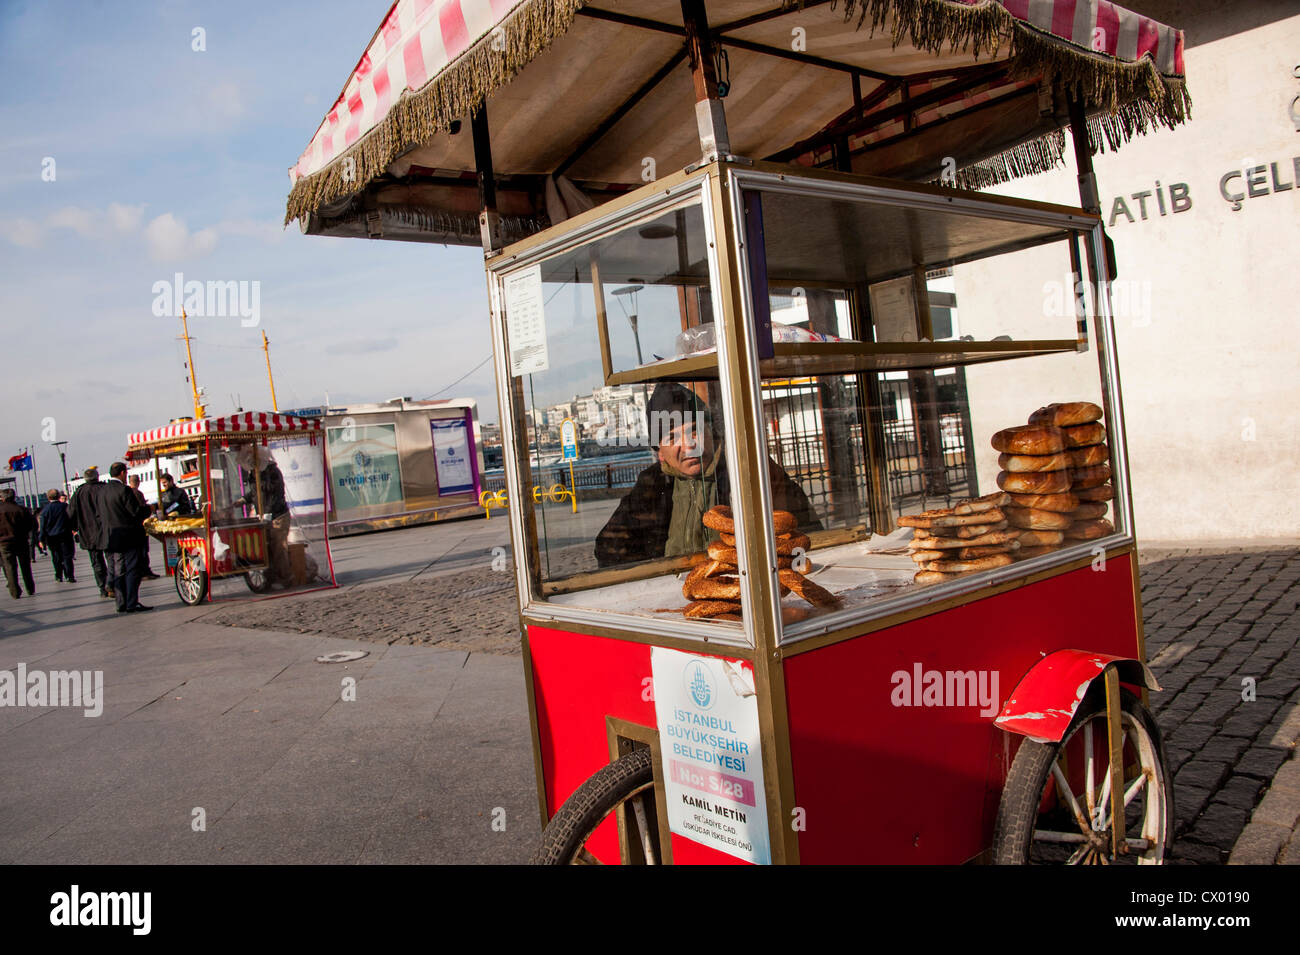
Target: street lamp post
(63, 460)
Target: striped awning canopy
(245, 424)
(596, 96)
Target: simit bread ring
(1067, 413)
(969, 566)
(1029, 439)
(1084, 434)
(1031, 518)
(1090, 510)
(715, 588)
(1089, 530)
(815, 594)
(986, 503)
(1103, 492)
(1094, 476)
(1088, 456)
(719, 519)
(728, 539)
(1034, 462)
(783, 522)
(1042, 482)
(948, 543)
(1064, 501)
(1035, 538)
(792, 542)
(711, 608)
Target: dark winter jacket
(123, 516)
(55, 521)
(177, 499)
(15, 522)
(638, 528)
(84, 511)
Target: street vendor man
(662, 515)
(274, 504)
(172, 501)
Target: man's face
(687, 449)
(166, 484)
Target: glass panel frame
(1079, 226)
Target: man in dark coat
(146, 572)
(84, 513)
(15, 551)
(172, 501)
(661, 515)
(56, 534)
(123, 517)
(275, 504)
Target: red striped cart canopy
(244, 424)
(589, 98)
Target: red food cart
(259, 514)
(877, 598)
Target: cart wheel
(627, 782)
(191, 580)
(259, 581)
(1038, 823)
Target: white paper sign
(526, 322)
(707, 715)
(451, 455)
(304, 475)
(893, 309)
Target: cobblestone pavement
(1221, 630)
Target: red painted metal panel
(882, 779)
(578, 680)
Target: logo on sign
(699, 684)
(361, 459)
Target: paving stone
(1219, 825)
(1196, 852)
(1262, 761)
(1287, 776)
(1259, 844)
(1191, 736)
(1250, 718)
(1241, 792)
(1189, 801)
(1281, 807)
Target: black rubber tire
(589, 806)
(202, 588)
(259, 581)
(1018, 811)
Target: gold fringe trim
(1134, 97)
(464, 83)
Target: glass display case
(916, 381)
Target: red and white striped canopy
(592, 88)
(244, 423)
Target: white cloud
(224, 101)
(80, 221)
(125, 218)
(170, 239)
(267, 230)
(25, 232)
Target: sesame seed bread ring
(1103, 492)
(720, 551)
(1040, 538)
(1094, 476)
(949, 543)
(1089, 530)
(988, 550)
(788, 544)
(932, 520)
(1064, 501)
(969, 566)
(1084, 434)
(1041, 482)
(1031, 518)
(814, 593)
(1088, 456)
(932, 577)
(1089, 511)
(715, 588)
(1029, 439)
(719, 519)
(1067, 413)
(711, 608)
(986, 503)
(728, 539)
(783, 522)
(974, 530)
(1028, 463)
(925, 556)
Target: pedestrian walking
(146, 572)
(123, 517)
(56, 534)
(84, 512)
(15, 552)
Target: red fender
(1046, 698)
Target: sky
(128, 156)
